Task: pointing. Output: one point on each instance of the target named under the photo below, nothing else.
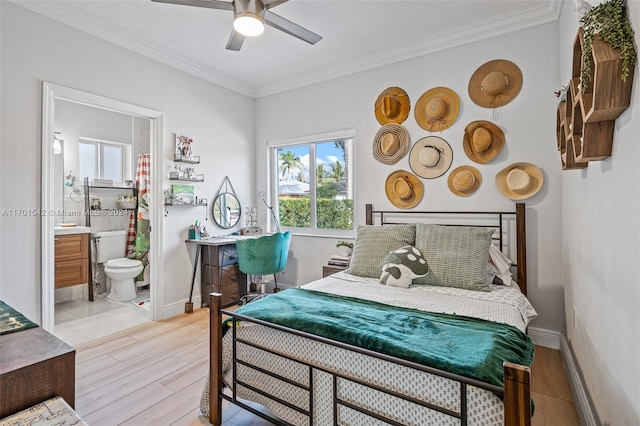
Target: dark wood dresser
(34, 366)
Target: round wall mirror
(226, 210)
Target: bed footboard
(517, 396)
(215, 359)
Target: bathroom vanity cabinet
(72, 261)
(220, 273)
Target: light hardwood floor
(153, 374)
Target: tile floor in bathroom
(78, 321)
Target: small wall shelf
(176, 176)
(194, 159)
(586, 121)
(199, 204)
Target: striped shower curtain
(139, 229)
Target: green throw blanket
(12, 320)
(466, 346)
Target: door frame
(50, 93)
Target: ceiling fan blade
(268, 4)
(290, 28)
(235, 41)
(211, 4)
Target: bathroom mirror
(226, 210)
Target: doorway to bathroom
(100, 163)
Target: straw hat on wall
(482, 141)
(495, 83)
(404, 189)
(391, 143)
(392, 106)
(437, 109)
(464, 180)
(519, 181)
(430, 157)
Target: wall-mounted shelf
(198, 204)
(194, 159)
(176, 176)
(565, 137)
(122, 188)
(585, 122)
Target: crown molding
(76, 18)
(549, 12)
(73, 17)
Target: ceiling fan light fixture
(249, 17)
(248, 24)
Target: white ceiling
(357, 34)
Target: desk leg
(188, 307)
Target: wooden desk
(34, 366)
(219, 274)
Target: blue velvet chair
(264, 255)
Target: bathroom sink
(66, 230)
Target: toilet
(111, 247)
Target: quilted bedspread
(462, 345)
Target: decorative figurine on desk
(251, 223)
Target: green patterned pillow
(457, 255)
(373, 242)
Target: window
(104, 160)
(313, 182)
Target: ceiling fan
(250, 17)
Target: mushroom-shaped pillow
(401, 266)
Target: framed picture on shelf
(183, 194)
(183, 146)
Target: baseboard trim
(177, 308)
(580, 397)
(543, 337)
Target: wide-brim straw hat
(495, 83)
(437, 109)
(519, 181)
(391, 143)
(482, 141)
(392, 106)
(464, 180)
(430, 157)
(404, 189)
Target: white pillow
(499, 266)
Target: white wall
(36, 49)
(75, 121)
(601, 253)
(528, 123)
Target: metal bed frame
(516, 393)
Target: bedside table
(331, 269)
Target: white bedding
(504, 304)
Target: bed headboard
(507, 231)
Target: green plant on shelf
(611, 22)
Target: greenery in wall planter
(610, 21)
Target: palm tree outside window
(313, 185)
